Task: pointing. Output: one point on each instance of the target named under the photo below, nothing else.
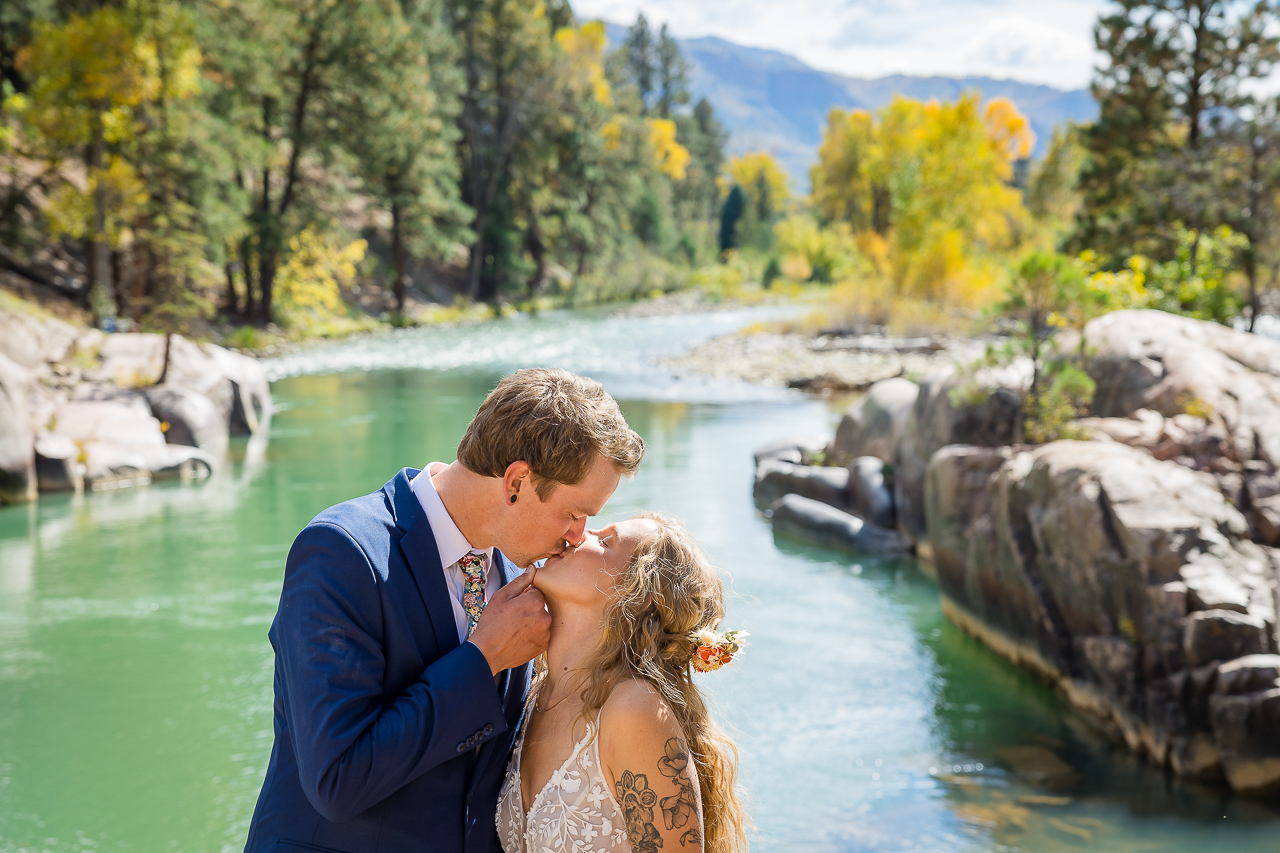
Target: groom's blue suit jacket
(389, 735)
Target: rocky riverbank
(1136, 570)
(818, 363)
(80, 409)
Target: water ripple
(621, 352)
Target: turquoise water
(135, 674)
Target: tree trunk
(231, 303)
(168, 348)
(397, 256)
(98, 250)
(118, 283)
(267, 243)
(533, 242)
(477, 254)
(267, 259)
(141, 270)
(246, 266)
(1250, 229)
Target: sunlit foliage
(932, 183)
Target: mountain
(771, 101)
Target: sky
(1035, 41)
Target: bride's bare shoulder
(635, 711)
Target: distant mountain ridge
(771, 101)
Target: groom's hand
(515, 626)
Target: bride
(618, 752)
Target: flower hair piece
(715, 650)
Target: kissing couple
(435, 690)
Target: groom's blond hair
(554, 420)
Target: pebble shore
(806, 361)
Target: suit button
(462, 747)
(488, 729)
(471, 741)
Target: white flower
(598, 796)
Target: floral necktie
(472, 566)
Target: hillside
(771, 101)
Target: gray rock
(1160, 361)
(1124, 579)
(119, 439)
(177, 462)
(1214, 635)
(775, 478)
(189, 418)
(813, 521)
(58, 466)
(31, 339)
(250, 412)
(17, 458)
(798, 450)
(1191, 440)
(1263, 503)
(114, 466)
(236, 384)
(1248, 674)
(872, 425)
(137, 360)
(957, 495)
(1246, 731)
(985, 410)
(870, 494)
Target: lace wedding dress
(575, 812)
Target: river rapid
(135, 673)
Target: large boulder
(1262, 500)
(32, 339)
(1176, 365)
(236, 384)
(872, 425)
(822, 524)
(17, 457)
(189, 418)
(798, 450)
(1124, 579)
(250, 412)
(124, 445)
(870, 492)
(957, 495)
(138, 360)
(775, 478)
(982, 408)
(58, 465)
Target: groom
(405, 629)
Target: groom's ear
(517, 481)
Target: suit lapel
(420, 551)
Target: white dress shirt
(453, 546)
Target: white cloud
(1048, 41)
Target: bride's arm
(647, 761)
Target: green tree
(640, 61)
(1045, 287)
(403, 133)
(673, 72)
(1175, 73)
(735, 203)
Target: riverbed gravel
(807, 361)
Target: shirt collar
(450, 542)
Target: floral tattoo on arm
(677, 811)
(637, 800)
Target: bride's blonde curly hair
(668, 591)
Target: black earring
(513, 498)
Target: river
(135, 674)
